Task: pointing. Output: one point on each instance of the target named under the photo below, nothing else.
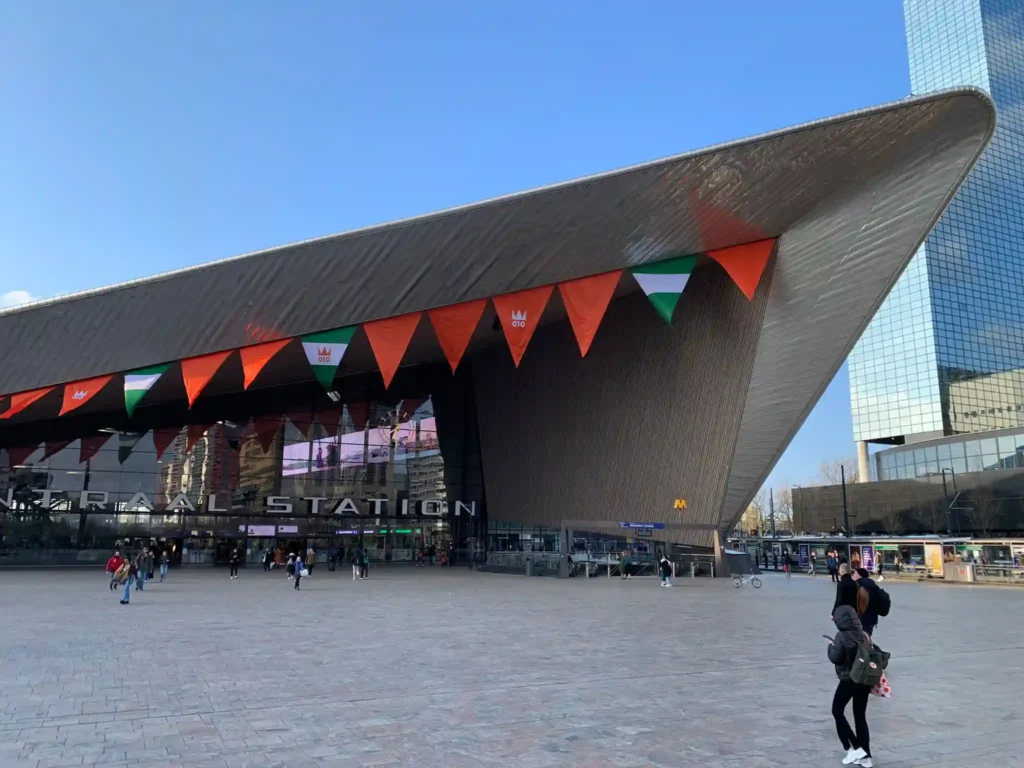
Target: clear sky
(141, 137)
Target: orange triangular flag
(195, 432)
(586, 300)
(78, 393)
(254, 358)
(197, 372)
(389, 338)
(23, 400)
(519, 314)
(454, 327)
(745, 263)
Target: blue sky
(142, 137)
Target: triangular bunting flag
(195, 434)
(519, 314)
(51, 447)
(254, 358)
(328, 419)
(197, 372)
(303, 420)
(745, 263)
(586, 300)
(23, 400)
(266, 430)
(359, 413)
(324, 352)
(454, 327)
(409, 406)
(389, 338)
(138, 382)
(90, 446)
(18, 454)
(232, 435)
(125, 445)
(162, 439)
(78, 393)
(664, 281)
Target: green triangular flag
(664, 282)
(324, 351)
(137, 383)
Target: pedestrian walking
(290, 566)
(665, 565)
(165, 562)
(787, 564)
(298, 566)
(126, 573)
(356, 556)
(236, 556)
(268, 558)
(813, 570)
(115, 562)
(310, 561)
(879, 601)
(624, 565)
(846, 589)
(842, 652)
(332, 559)
(141, 570)
(364, 571)
(833, 566)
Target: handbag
(304, 572)
(869, 664)
(883, 690)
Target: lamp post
(945, 495)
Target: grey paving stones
(424, 667)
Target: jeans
(127, 592)
(234, 569)
(846, 690)
(298, 578)
(666, 580)
(140, 581)
(163, 571)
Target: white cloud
(14, 298)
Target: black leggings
(234, 569)
(846, 690)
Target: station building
(635, 346)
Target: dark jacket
(846, 593)
(870, 618)
(666, 567)
(842, 651)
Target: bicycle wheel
(756, 582)
(737, 582)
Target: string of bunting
(586, 300)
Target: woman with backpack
(842, 652)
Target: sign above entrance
(643, 526)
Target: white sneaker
(865, 762)
(854, 755)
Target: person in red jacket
(113, 564)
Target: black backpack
(884, 602)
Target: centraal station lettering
(273, 505)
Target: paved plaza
(430, 667)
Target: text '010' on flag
(324, 352)
(138, 382)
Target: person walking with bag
(665, 566)
(299, 572)
(235, 558)
(165, 562)
(127, 572)
(843, 651)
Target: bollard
(693, 570)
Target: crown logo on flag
(518, 319)
(324, 352)
(80, 394)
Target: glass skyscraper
(945, 353)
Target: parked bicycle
(738, 581)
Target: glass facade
(282, 470)
(945, 353)
(1002, 449)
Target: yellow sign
(679, 504)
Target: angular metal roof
(851, 198)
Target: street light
(945, 494)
